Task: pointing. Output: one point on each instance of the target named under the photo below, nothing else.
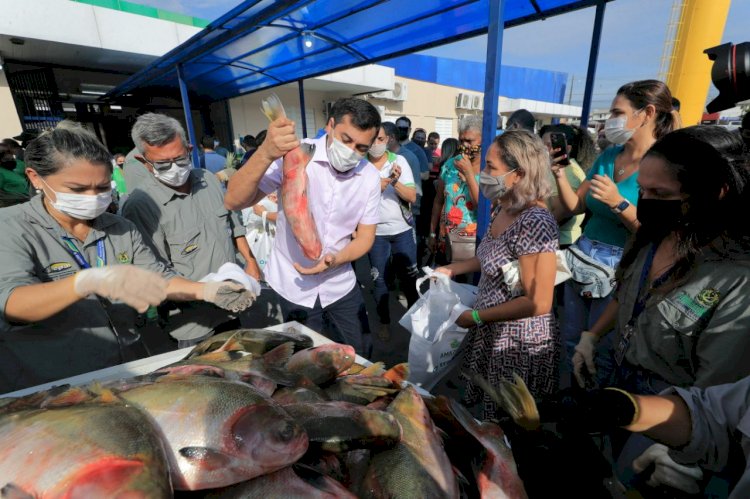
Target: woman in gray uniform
(682, 308)
(72, 277)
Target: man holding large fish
(329, 192)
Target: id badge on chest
(622, 346)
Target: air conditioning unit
(399, 92)
(477, 102)
(463, 101)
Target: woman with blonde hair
(512, 329)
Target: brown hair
(644, 92)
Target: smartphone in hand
(558, 141)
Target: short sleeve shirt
(339, 203)
(391, 218)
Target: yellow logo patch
(189, 249)
(708, 297)
(123, 257)
(60, 266)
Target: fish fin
(462, 414)
(375, 369)
(398, 373)
(279, 356)
(71, 396)
(205, 458)
(102, 394)
(218, 356)
(513, 397)
(13, 491)
(193, 370)
(272, 107)
(307, 149)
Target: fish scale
(60, 452)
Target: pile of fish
(252, 413)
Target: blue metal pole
(491, 95)
(188, 115)
(596, 37)
(301, 86)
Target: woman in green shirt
(14, 188)
(641, 113)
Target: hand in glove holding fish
(228, 295)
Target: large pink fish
(294, 183)
(75, 445)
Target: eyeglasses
(182, 162)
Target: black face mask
(403, 133)
(419, 142)
(9, 164)
(659, 217)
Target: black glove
(589, 411)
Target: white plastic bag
(435, 338)
(261, 243)
(233, 272)
(512, 273)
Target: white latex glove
(134, 286)
(584, 354)
(228, 295)
(667, 471)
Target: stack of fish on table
(252, 413)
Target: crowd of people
(650, 217)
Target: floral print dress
(459, 213)
(528, 347)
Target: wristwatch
(621, 207)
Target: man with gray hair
(453, 227)
(180, 212)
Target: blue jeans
(580, 314)
(343, 321)
(401, 249)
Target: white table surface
(149, 364)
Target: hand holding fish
(325, 263)
(280, 139)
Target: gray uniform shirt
(81, 337)
(193, 231)
(699, 333)
(720, 426)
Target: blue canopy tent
(265, 43)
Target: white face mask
(615, 131)
(80, 206)
(377, 150)
(175, 176)
(341, 157)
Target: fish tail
(272, 107)
(513, 397)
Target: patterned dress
(529, 346)
(459, 214)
